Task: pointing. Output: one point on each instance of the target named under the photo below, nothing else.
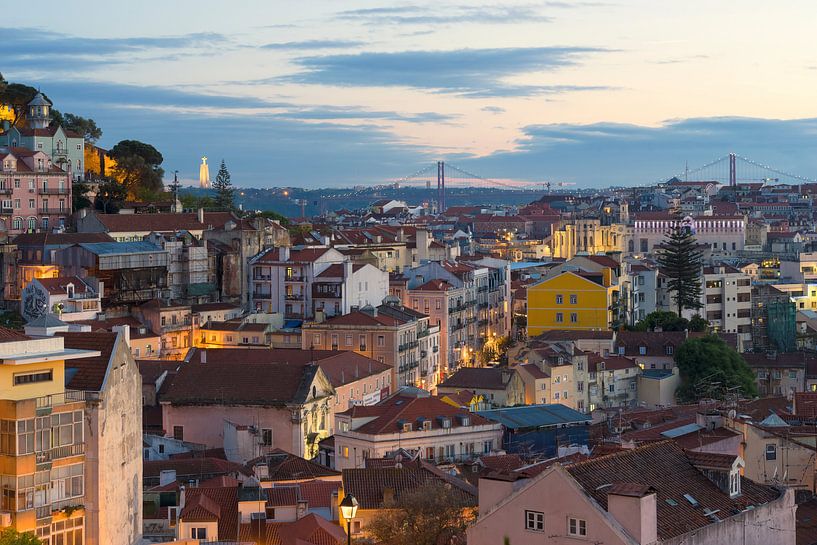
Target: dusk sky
(328, 93)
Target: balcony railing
(57, 453)
(64, 398)
(423, 333)
(294, 297)
(293, 278)
(52, 191)
(6, 191)
(51, 211)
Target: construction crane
(558, 184)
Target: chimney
(201, 215)
(347, 270)
(182, 497)
(203, 356)
(283, 254)
(167, 476)
(635, 507)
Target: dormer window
(465, 420)
(734, 483)
(445, 422)
(621, 350)
(669, 349)
(406, 426)
(642, 350)
(426, 425)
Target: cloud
(424, 15)
(493, 109)
(314, 44)
(46, 50)
(603, 154)
(465, 72)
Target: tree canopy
(110, 196)
(429, 515)
(669, 321)
(137, 168)
(681, 263)
(10, 536)
(87, 127)
(709, 368)
(225, 193)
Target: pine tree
(681, 262)
(224, 188)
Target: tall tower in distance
(204, 174)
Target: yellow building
(42, 443)
(589, 236)
(571, 300)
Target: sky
(328, 93)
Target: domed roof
(39, 100)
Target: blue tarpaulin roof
(534, 416)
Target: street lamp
(348, 509)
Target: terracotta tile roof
(798, 360)
(284, 466)
(369, 485)
(59, 286)
(336, 270)
(151, 370)
(604, 261)
(805, 405)
(206, 307)
(609, 363)
(318, 494)
(710, 460)
(434, 285)
(88, 373)
(240, 383)
(11, 335)
(192, 468)
(635, 490)
(280, 496)
(200, 453)
(59, 239)
(503, 462)
(664, 467)
(308, 530)
(462, 397)
(655, 342)
(340, 367)
(807, 522)
(359, 318)
(476, 378)
(163, 223)
(570, 335)
(213, 504)
(534, 370)
(391, 413)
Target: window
(560, 317)
(642, 350)
(535, 521)
(349, 340)
(611, 388)
(266, 437)
(198, 533)
(381, 340)
(771, 452)
(178, 433)
(573, 299)
(669, 349)
(576, 527)
(574, 317)
(559, 299)
(487, 447)
(29, 378)
(362, 343)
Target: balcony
(46, 211)
(294, 296)
(6, 211)
(52, 191)
(435, 349)
(59, 152)
(293, 278)
(58, 453)
(6, 191)
(46, 403)
(262, 277)
(261, 295)
(482, 289)
(423, 353)
(423, 333)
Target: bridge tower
(441, 185)
(733, 176)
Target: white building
(439, 431)
(70, 298)
(639, 291)
(726, 235)
(342, 286)
(727, 300)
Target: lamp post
(348, 508)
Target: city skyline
(595, 93)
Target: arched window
(17, 224)
(32, 224)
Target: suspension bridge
(731, 169)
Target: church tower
(39, 112)
(204, 174)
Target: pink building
(36, 193)
(654, 494)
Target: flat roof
(532, 416)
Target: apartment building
(70, 298)
(282, 280)
(58, 465)
(173, 322)
(612, 381)
(342, 287)
(392, 334)
(638, 291)
(443, 304)
(727, 300)
(571, 300)
(439, 431)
